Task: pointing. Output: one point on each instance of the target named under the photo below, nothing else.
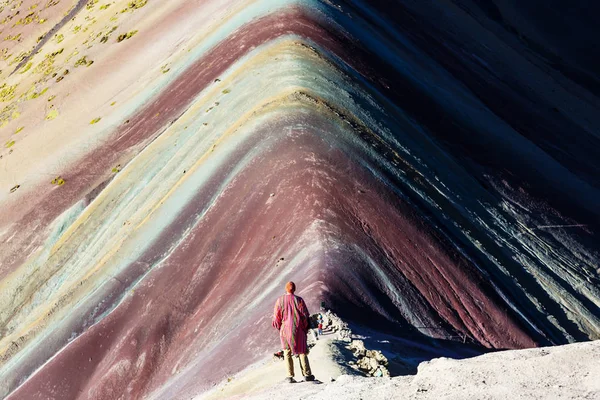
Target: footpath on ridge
(345, 369)
(326, 360)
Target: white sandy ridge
(562, 372)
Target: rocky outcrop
(369, 362)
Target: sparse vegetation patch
(125, 36)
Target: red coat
(291, 318)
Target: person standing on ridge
(291, 319)
(320, 324)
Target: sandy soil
(267, 375)
(563, 372)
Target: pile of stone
(333, 323)
(371, 362)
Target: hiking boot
(290, 379)
(309, 378)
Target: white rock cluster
(370, 362)
(335, 324)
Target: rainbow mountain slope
(427, 168)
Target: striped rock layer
(427, 168)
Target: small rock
(358, 348)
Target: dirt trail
(269, 373)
